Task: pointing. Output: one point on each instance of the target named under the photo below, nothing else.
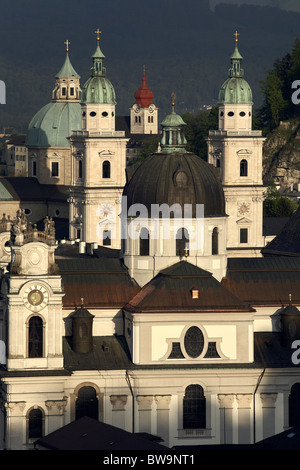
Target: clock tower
(236, 149)
(33, 299)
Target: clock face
(35, 297)
(243, 208)
(137, 108)
(151, 108)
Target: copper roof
(171, 290)
(101, 282)
(264, 281)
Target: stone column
(226, 426)
(163, 408)
(268, 415)
(56, 409)
(118, 410)
(244, 418)
(144, 403)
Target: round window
(242, 114)
(194, 341)
(231, 113)
(92, 113)
(104, 114)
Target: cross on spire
(67, 43)
(173, 96)
(236, 34)
(98, 32)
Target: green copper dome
(98, 89)
(53, 124)
(173, 138)
(235, 90)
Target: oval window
(221, 113)
(194, 341)
(242, 114)
(83, 114)
(231, 113)
(92, 113)
(104, 114)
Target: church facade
(194, 342)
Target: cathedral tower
(236, 149)
(98, 162)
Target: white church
(182, 329)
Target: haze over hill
(185, 47)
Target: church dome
(98, 89)
(175, 176)
(235, 90)
(53, 124)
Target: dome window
(83, 114)
(221, 113)
(231, 113)
(93, 114)
(242, 113)
(181, 179)
(105, 114)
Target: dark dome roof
(177, 177)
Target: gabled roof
(287, 242)
(171, 290)
(89, 434)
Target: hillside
(282, 154)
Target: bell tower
(144, 113)
(98, 162)
(236, 149)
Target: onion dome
(235, 90)
(175, 176)
(54, 123)
(98, 89)
(144, 95)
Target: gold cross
(98, 32)
(236, 34)
(67, 45)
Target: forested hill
(185, 47)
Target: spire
(98, 56)
(67, 70)
(144, 95)
(236, 61)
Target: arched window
(144, 242)
(106, 237)
(80, 169)
(194, 408)
(244, 168)
(294, 405)
(182, 242)
(86, 403)
(35, 423)
(215, 242)
(35, 337)
(106, 169)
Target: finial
(144, 69)
(82, 299)
(290, 297)
(67, 43)
(173, 96)
(98, 32)
(236, 34)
